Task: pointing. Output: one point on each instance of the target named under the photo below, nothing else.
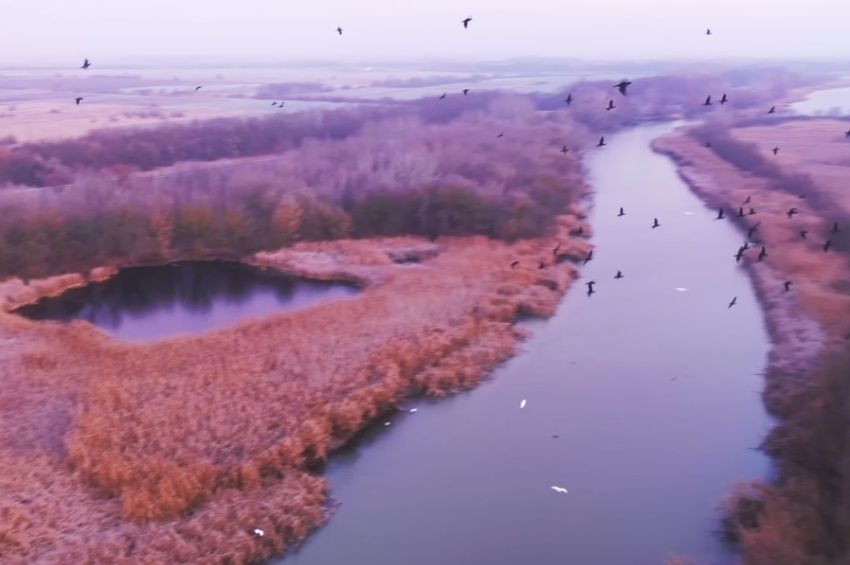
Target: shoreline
(460, 326)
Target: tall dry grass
(172, 451)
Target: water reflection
(148, 303)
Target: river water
(652, 392)
(150, 303)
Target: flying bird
(259, 532)
(723, 99)
(740, 211)
(622, 86)
(803, 234)
(655, 223)
(708, 31)
(523, 403)
(619, 275)
(86, 64)
(707, 101)
(588, 258)
(78, 99)
(569, 100)
(734, 301)
(339, 30)
(465, 91)
(465, 22)
(775, 150)
(561, 490)
(610, 105)
(719, 214)
(762, 253)
(847, 134)
(752, 211)
(541, 265)
(793, 211)
(827, 245)
(197, 88)
(835, 227)
(564, 149)
(772, 110)
(601, 142)
(740, 254)
(747, 201)
(622, 212)
(443, 97)
(514, 264)
(752, 230)
(274, 103)
(787, 285)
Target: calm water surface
(150, 303)
(829, 102)
(653, 394)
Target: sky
(111, 31)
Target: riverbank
(147, 467)
(801, 516)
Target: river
(642, 401)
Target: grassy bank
(174, 450)
(802, 517)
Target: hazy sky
(111, 30)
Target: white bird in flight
(561, 490)
(414, 410)
(523, 403)
(680, 289)
(258, 532)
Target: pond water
(187, 298)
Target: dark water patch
(150, 303)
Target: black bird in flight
(708, 144)
(708, 31)
(747, 201)
(835, 227)
(588, 258)
(723, 99)
(707, 101)
(501, 134)
(827, 245)
(619, 275)
(847, 134)
(762, 253)
(740, 211)
(541, 265)
(274, 103)
(740, 254)
(466, 92)
(775, 150)
(443, 97)
(772, 110)
(622, 86)
(564, 149)
(465, 22)
(589, 285)
(655, 223)
(601, 142)
(339, 30)
(803, 234)
(622, 212)
(569, 100)
(793, 211)
(514, 264)
(719, 214)
(197, 88)
(734, 301)
(752, 230)
(746, 245)
(787, 285)
(557, 247)
(578, 232)
(78, 99)
(610, 105)
(752, 211)
(86, 64)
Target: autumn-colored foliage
(172, 451)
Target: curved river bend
(652, 392)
